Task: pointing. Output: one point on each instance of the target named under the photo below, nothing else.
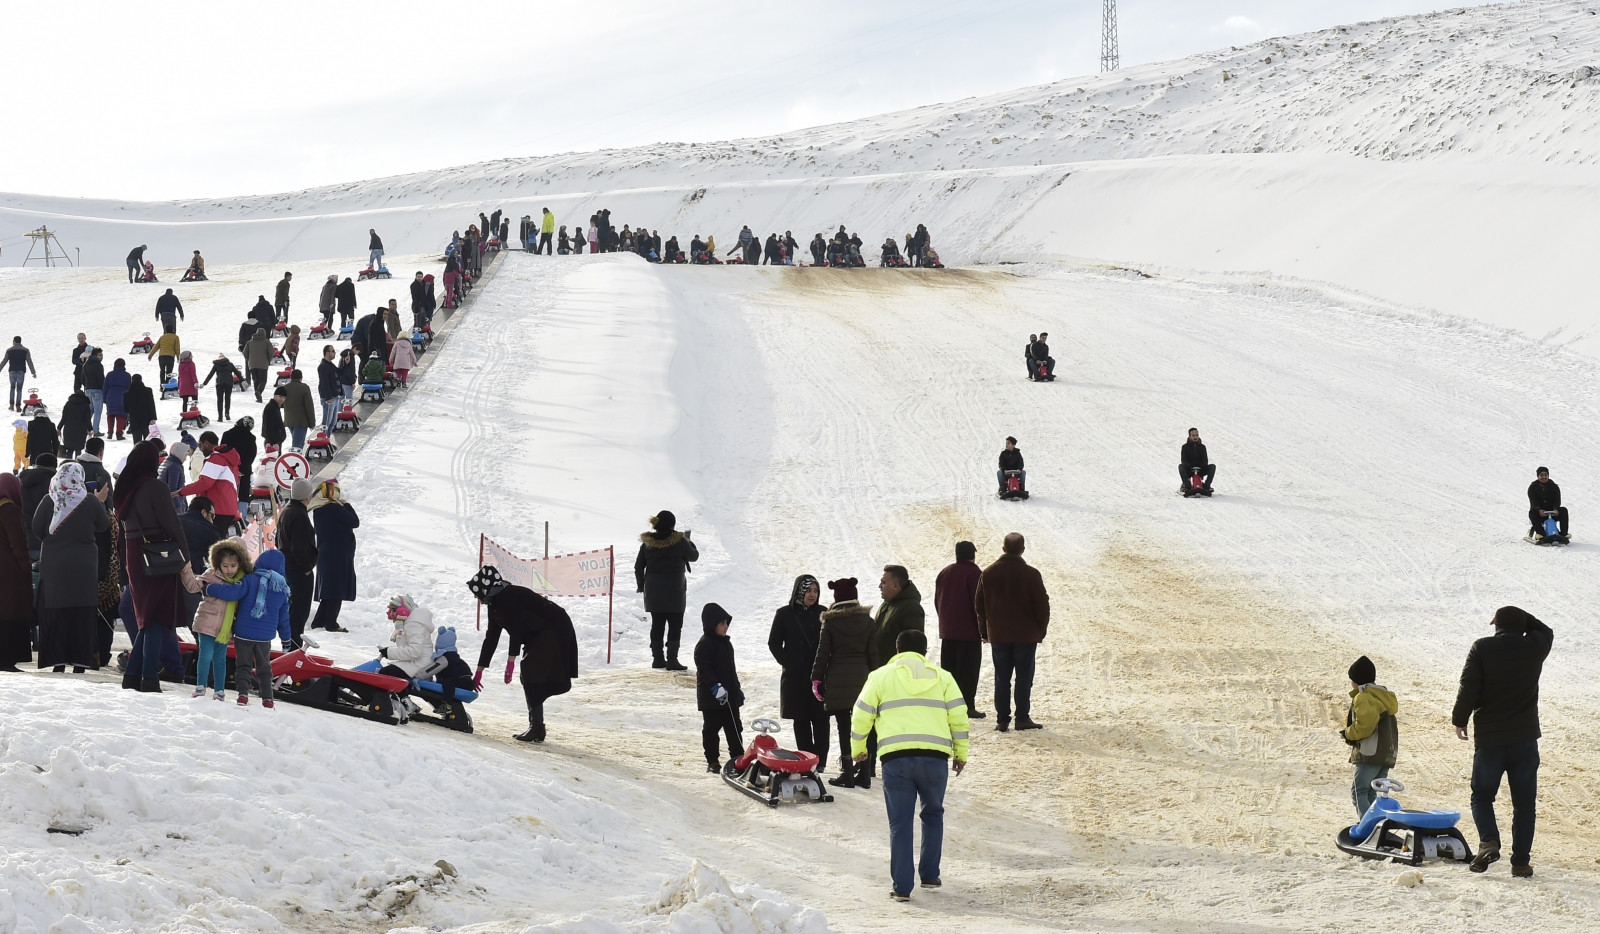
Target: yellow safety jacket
(914, 704)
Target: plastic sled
(321, 448)
(148, 274)
(1549, 533)
(347, 419)
(191, 418)
(346, 331)
(1014, 488)
(285, 375)
(382, 272)
(320, 331)
(446, 711)
(277, 355)
(193, 275)
(191, 660)
(1040, 371)
(169, 389)
(1197, 485)
(770, 774)
(391, 382)
(142, 345)
(372, 392)
(281, 327)
(315, 682)
(1388, 831)
(33, 405)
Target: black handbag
(162, 559)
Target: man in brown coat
(1013, 616)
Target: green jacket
(1372, 731)
(548, 224)
(913, 704)
(896, 616)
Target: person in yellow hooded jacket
(921, 719)
(1372, 731)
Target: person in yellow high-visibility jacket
(547, 229)
(921, 719)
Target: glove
(477, 681)
(383, 651)
(720, 693)
(816, 690)
(511, 663)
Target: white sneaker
(199, 692)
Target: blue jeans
(97, 401)
(213, 663)
(330, 408)
(1012, 657)
(905, 779)
(17, 376)
(1520, 765)
(297, 437)
(1361, 793)
(375, 259)
(145, 659)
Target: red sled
(315, 682)
(770, 774)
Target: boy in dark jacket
(713, 669)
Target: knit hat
(19, 423)
(400, 607)
(179, 450)
(843, 589)
(444, 640)
(1363, 671)
(301, 489)
(487, 583)
(663, 521)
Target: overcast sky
(184, 99)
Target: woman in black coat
(140, 404)
(272, 430)
(660, 571)
(42, 439)
(540, 630)
(336, 523)
(345, 297)
(67, 522)
(74, 424)
(793, 642)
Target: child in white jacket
(411, 648)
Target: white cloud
(1239, 26)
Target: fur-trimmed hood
(234, 547)
(650, 540)
(844, 608)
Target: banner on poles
(583, 574)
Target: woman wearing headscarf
(16, 579)
(144, 507)
(67, 522)
(336, 522)
(660, 572)
(793, 642)
(140, 403)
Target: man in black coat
(345, 298)
(540, 630)
(1011, 459)
(1544, 496)
(35, 482)
(242, 438)
(80, 353)
(329, 391)
(1040, 351)
(1194, 458)
(136, 262)
(1500, 693)
(168, 311)
(297, 539)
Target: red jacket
(219, 481)
(955, 593)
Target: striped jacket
(913, 704)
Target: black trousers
(301, 587)
(669, 625)
(224, 400)
(1207, 473)
(963, 658)
(259, 377)
(1537, 521)
(164, 366)
(544, 244)
(811, 735)
(869, 767)
(724, 720)
(536, 693)
(327, 615)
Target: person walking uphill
(1500, 694)
(1371, 730)
(19, 363)
(796, 627)
(665, 555)
(716, 687)
(542, 629)
(1013, 617)
(847, 651)
(921, 721)
(280, 303)
(955, 598)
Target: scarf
(67, 492)
(270, 580)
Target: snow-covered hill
(1414, 159)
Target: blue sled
(1388, 831)
(445, 711)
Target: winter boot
(863, 776)
(674, 665)
(658, 662)
(150, 685)
(1522, 872)
(846, 779)
(1488, 852)
(1026, 723)
(130, 680)
(534, 734)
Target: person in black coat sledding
(714, 667)
(537, 627)
(793, 641)
(1039, 351)
(660, 570)
(1195, 457)
(1544, 496)
(1010, 459)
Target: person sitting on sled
(197, 266)
(1194, 458)
(1011, 459)
(1040, 351)
(891, 253)
(411, 643)
(1371, 731)
(1545, 496)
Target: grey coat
(69, 562)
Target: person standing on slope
(955, 597)
(281, 298)
(1371, 730)
(796, 627)
(819, 250)
(921, 721)
(327, 299)
(136, 262)
(345, 298)
(297, 540)
(1544, 496)
(1194, 458)
(660, 571)
(718, 694)
(547, 229)
(544, 632)
(847, 650)
(374, 249)
(168, 311)
(1013, 617)
(19, 363)
(1500, 694)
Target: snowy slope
(1414, 159)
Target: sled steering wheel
(1384, 786)
(765, 725)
